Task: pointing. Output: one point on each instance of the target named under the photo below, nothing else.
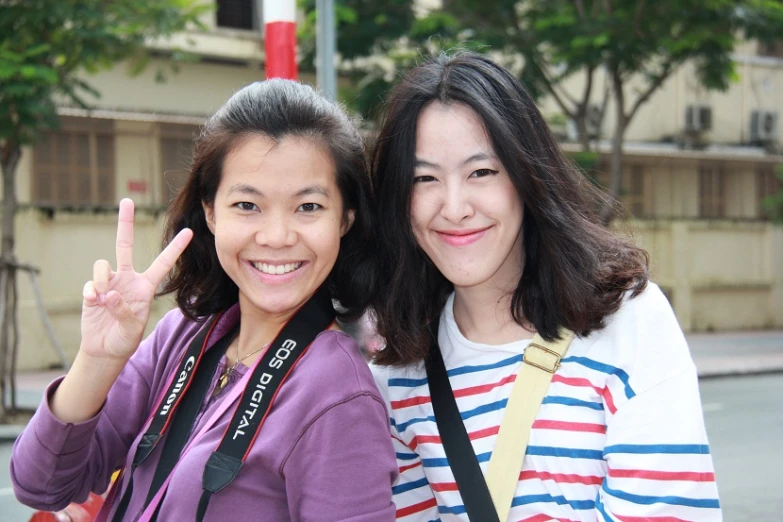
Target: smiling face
(277, 218)
(465, 212)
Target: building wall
(759, 87)
(719, 275)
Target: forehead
(283, 164)
(451, 130)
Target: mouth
(462, 237)
(277, 269)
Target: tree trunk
(616, 163)
(9, 161)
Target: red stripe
(443, 486)
(464, 392)
(569, 426)
(435, 439)
(280, 49)
(403, 469)
(576, 381)
(415, 508)
(561, 478)
(693, 476)
(607, 395)
(545, 518)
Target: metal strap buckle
(541, 364)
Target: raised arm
(115, 310)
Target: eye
(423, 179)
(309, 207)
(480, 173)
(246, 206)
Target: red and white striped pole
(280, 38)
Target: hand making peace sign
(116, 303)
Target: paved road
(744, 418)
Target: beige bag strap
(540, 362)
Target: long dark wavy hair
(576, 272)
(274, 109)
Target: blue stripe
(460, 370)
(407, 383)
(416, 484)
(670, 449)
(573, 453)
(570, 401)
(406, 456)
(451, 510)
(443, 462)
(600, 507)
(484, 408)
(560, 500)
(605, 368)
(677, 501)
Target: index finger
(166, 259)
(124, 244)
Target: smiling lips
(277, 273)
(462, 237)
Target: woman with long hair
(488, 237)
(247, 401)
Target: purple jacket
(324, 452)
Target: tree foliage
(48, 49)
(635, 45)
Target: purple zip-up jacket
(324, 453)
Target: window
(176, 152)
(771, 49)
(635, 191)
(712, 192)
(74, 166)
(767, 184)
(235, 14)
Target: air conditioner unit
(764, 126)
(593, 120)
(698, 118)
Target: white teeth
(277, 269)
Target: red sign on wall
(137, 186)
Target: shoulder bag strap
(456, 443)
(540, 362)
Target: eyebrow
(479, 156)
(244, 188)
(250, 190)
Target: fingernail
(102, 298)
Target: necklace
(223, 379)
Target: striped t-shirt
(619, 437)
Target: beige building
(697, 211)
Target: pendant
(222, 380)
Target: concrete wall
(719, 274)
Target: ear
(350, 216)
(209, 216)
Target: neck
(257, 329)
(483, 312)
(483, 315)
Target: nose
(276, 232)
(456, 204)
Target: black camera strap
(269, 374)
(456, 442)
(193, 359)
